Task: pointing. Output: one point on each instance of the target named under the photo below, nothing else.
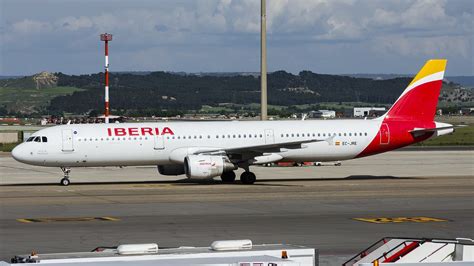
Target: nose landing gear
(65, 180)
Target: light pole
(263, 61)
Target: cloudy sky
(324, 36)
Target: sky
(323, 36)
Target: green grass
(462, 136)
(28, 100)
(8, 147)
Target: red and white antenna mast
(106, 37)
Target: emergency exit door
(159, 142)
(384, 134)
(269, 138)
(67, 144)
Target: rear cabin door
(269, 139)
(159, 142)
(384, 134)
(67, 144)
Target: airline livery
(204, 150)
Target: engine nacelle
(206, 166)
(171, 169)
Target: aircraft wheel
(65, 182)
(228, 177)
(248, 178)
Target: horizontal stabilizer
(440, 129)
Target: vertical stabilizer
(419, 100)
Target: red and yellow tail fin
(419, 100)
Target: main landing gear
(228, 177)
(65, 180)
(246, 177)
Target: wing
(254, 153)
(264, 148)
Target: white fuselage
(165, 143)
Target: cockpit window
(30, 139)
(44, 139)
(37, 139)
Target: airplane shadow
(187, 182)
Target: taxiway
(311, 206)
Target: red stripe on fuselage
(399, 136)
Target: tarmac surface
(419, 193)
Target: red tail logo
(415, 108)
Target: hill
(31, 94)
(163, 93)
(159, 91)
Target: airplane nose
(19, 153)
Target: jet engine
(171, 169)
(206, 166)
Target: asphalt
(311, 206)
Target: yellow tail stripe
(431, 67)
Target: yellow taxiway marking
(66, 219)
(387, 220)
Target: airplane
(205, 150)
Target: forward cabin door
(67, 144)
(269, 138)
(159, 142)
(384, 134)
